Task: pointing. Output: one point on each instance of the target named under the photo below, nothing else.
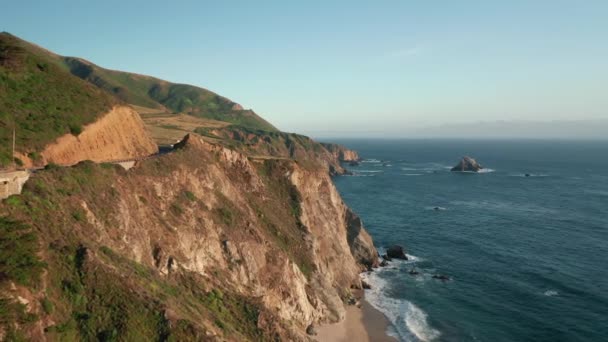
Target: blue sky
(349, 66)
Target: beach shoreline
(362, 323)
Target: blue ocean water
(527, 256)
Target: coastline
(361, 324)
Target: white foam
(410, 323)
(370, 171)
(484, 170)
(374, 161)
(412, 174)
(551, 293)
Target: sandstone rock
(118, 135)
(396, 252)
(467, 164)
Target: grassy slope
(41, 99)
(152, 92)
(92, 292)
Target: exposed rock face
(117, 135)
(271, 230)
(361, 244)
(467, 164)
(342, 153)
(396, 252)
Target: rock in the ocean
(365, 285)
(386, 257)
(467, 164)
(396, 252)
(441, 277)
(383, 263)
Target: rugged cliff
(342, 153)
(205, 243)
(117, 135)
(259, 143)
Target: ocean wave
(435, 208)
(551, 293)
(370, 171)
(412, 174)
(529, 175)
(484, 170)
(409, 321)
(371, 160)
(597, 192)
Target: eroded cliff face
(208, 222)
(117, 135)
(342, 153)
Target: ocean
(527, 256)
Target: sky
(349, 67)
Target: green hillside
(41, 99)
(152, 92)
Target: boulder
(365, 285)
(383, 263)
(396, 252)
(386, 257)
(311, 330)
(467, 164)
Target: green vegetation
(18, 259)
(154, 93)
(281, 217)
(40, 99)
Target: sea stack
(467, 164)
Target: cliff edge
(205, 241)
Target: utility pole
(13, 154)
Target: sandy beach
(360, 325)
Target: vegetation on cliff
(193, 245)
(41, 100)
(238, 234)
(152, 92)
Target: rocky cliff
(342, 153)
(205, 243)
(118, 134)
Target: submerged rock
(467, 164)
(396, 252)
(441, 277)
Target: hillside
(201, 244)
(41, 100)
(146, 91)
(237, 234)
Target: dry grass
(167, 128)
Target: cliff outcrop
(342, 153)
(205, 242)
(119, 134)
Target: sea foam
(408, 320)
